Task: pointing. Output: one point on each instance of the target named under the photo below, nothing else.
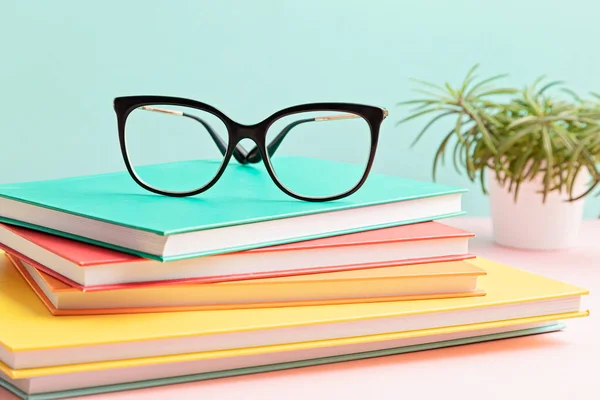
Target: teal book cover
(277, 367)
(245, 194)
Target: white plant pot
(531, 224)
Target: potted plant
(538, 153)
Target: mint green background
(62, 63)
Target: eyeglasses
(181, 147)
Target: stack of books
(106, 287)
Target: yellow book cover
(372, 340)
(29, 331)
(24, 316)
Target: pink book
(90, 267)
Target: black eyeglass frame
(124, 105)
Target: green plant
(526, 133)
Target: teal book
(278, 367)
(244, 210)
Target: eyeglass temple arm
(239, 153)
(254, 154)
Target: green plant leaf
(587, 192)
(417, 115)
(561, 178)
(519, 170)
(429, 124)
(491, 119)
(572, 94)
(440, 151)
(532, 104)
(468, 79)
(512, 140)
(536, 82)
(486, 136)
(440, 98)
(549, 160)
(470, 165)
(451, 90)
(429, 84)
(419, 101)
(563, 134)
(497, 91)
(576, 154)
(522, 121)
(535, 168)
(548, 86)
(458, 127)
(456, 156)
(482, 83)
(482, 181)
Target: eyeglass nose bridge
(242, 132)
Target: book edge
(281, 366)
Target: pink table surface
(560, 365)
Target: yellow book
(407, 282)
(91, 378)
(33, 340)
